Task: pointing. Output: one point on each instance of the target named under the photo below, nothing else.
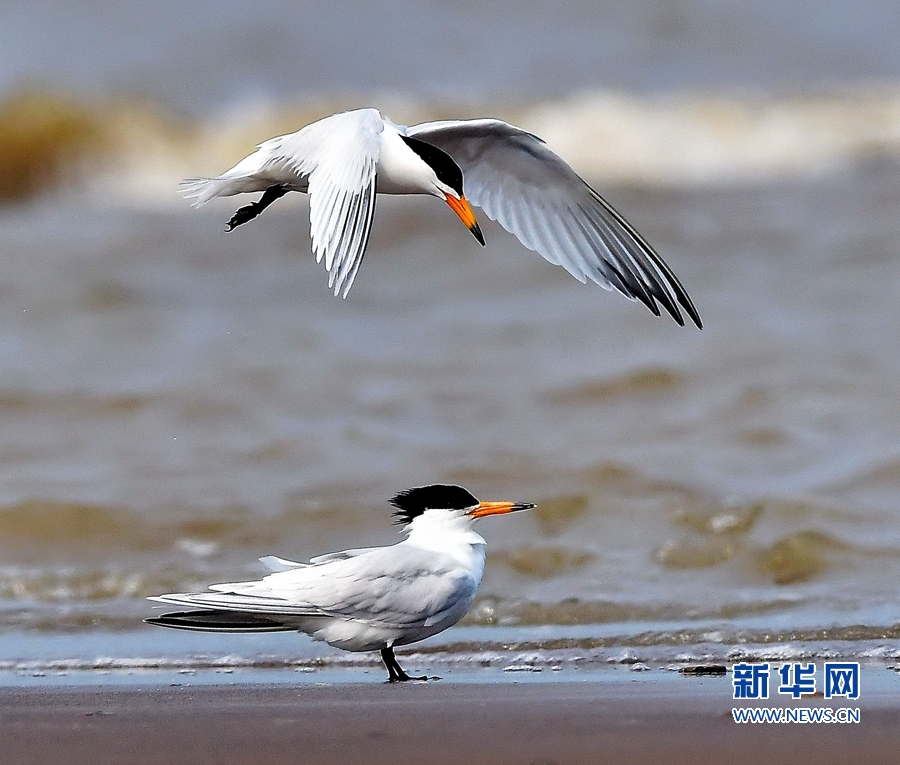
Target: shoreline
(608, 717)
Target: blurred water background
(176, 402)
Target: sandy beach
(675, 720)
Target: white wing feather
(535, 195)
(339, 155)
(333, 159)
(397, 586)
(276, 564)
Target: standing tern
(342, 161)
(370, 599)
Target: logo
(842, 679)
(795, 679)
(751, 681)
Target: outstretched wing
(535, 195)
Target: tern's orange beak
(462, 208)
(499, 508)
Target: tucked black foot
(395, 671)
(242, 216)
(404, 677)
(249, 212)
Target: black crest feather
(440, 496)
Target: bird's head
(449, 182)
(447, 498)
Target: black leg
(249, 212)
(395, 671)
(387, 656)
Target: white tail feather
(201, 190)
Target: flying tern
(344, 160)
(370, 599)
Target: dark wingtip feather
(691, 311)
(663, 288)
(210, 620)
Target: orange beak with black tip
(463, 209)
(499, 508)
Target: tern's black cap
(411, 503)
(444, 166)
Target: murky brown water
(175, 401)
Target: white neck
(401, 171)
(449, 532)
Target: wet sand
(674, 721)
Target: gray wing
(398, 586)
(342, 555)
(535, 195)
(389, 586)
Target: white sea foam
(668, 140)
(698, 138)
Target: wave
(77, 532)
(137, 151)
(702, 138)
(644, 382)
(675, 646)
